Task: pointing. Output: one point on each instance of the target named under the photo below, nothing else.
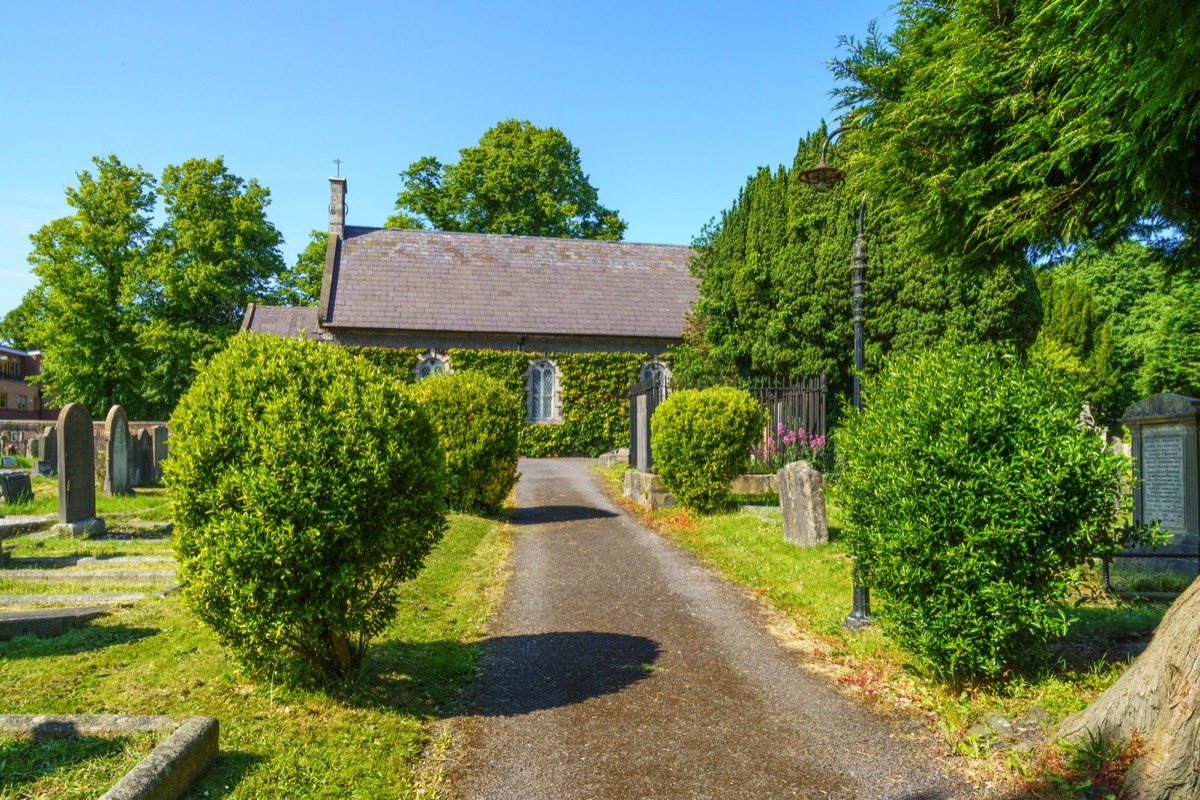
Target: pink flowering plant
(783, 445)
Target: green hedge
(399, 362)
(970, 496)
(593, 389)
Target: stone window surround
(658, 362)
(556, 402)
(432, 355)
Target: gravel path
(619, 668)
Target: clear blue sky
(672, 105)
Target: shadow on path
(537, 671)
(538, 515)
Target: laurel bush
(970, 496)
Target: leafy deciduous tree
(519, 179)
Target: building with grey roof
(433, 291)
(437, 290)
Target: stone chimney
(337, 207)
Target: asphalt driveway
(618, 667)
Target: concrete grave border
(165, 773)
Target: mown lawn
(376, 739)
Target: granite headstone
(161, 449)
(116, 452)
(77, 472)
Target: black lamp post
(821, 177)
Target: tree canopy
(775, 287)
(1031, 123)
(519, 179)
(301, 286)
(123, 310)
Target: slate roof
(387, 279)
(283, 321)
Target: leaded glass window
(541, 391)
(430, 365)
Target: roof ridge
(415, 231)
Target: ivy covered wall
(593, 390)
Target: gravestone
(1163, 432)
(76, 473)
(15, 486)
(161, 449)
(8, 462)
(802, 501)
(145, 456)
(643, 435)
(50, 448)
(34, 450)
(116, 452)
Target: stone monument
(145, 456)
(1166, 487)
(802, 500)
(77, 473)
(50, 448)
(116, 452)
(161, 449)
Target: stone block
(647, 490)
(802, 500)
(752, 483)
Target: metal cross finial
(338, 161)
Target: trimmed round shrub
(306, 486)
(969, 498)
(701, 440)
(478, 421)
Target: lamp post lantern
(821, 177)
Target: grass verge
(374, 740)
(811, 587)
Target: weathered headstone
(15, 486)
(8, 462)
(802, 501)
(34, 450)
(50, 448)
(145, 456)
(161, 449)
(116, 452)
(77, 473)
(1166, 448)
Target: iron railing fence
(794, 403)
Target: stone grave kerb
(1163, 431)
